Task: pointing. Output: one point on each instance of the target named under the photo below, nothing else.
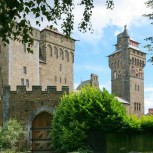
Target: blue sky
(92, 49)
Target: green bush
(132, 124)
(147, 123)
(81, 112)
(10, 134)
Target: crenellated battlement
(35, 89)
(21, 103)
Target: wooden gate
(41, 139)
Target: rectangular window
(25, 70)
(135, 106)
(55, 78)
(138, 87)
(60, 80)
(139, 107)
(22, 82)
(60, 67)
(27, 83)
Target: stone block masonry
(22, 104)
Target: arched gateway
(41, 139)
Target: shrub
(147, 123)
(132, 124)
(78, 113)
(10, 134)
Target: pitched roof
(122, 100)
(82, 84)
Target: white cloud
(126, 12)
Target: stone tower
(127, 72)
(94, 80)
(56, 59)
(17, 66)
(50, 64)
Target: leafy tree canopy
(149, 46)
(14, 20)
(78, 113)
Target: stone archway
(41, 127)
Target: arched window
(67, 55)
(132, 71)
(42, 53)
(136, 73)
(133, 60)
(72, 57)
(140, 63)
(115, 75)
(137, 62)
(50, 50)
(55, 51)
(140, 73)
(61, 54)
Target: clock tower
(127, 72)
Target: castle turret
(127, 72)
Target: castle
(127, 73)
(44, 76)
(31, 85)
(50, 64)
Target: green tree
(149, 4)
(81, 112)
(147, 123)
(11, 133)
(14, 21)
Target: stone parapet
(21, 103)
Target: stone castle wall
(51, 62)
(23, 65)
(4, 66)
(56, 65)
(22, 104)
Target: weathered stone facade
(50, 64)
(56, 63)
(127, 74)
(26, 105)
(18, 66)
